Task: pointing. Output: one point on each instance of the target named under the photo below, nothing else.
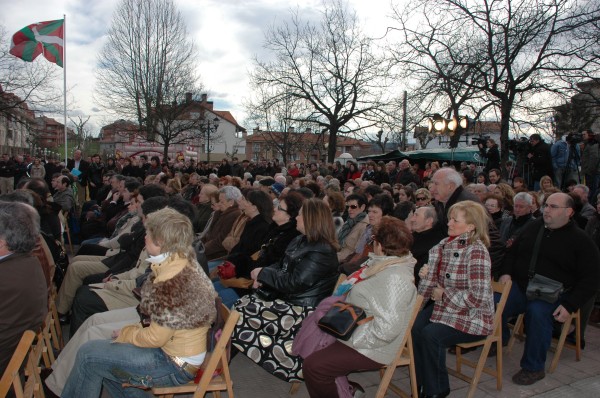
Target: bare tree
(331, 67)
(276, 112)
(146, 68)
(435, 55)
(82, 133)
(516, 48)
(32, 83)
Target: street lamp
(208, 127)
(441, 126)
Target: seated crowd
(159, 242)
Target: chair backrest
(399, 359)
(407, 335)
(11, 377)
(219, 353)
(504, 289)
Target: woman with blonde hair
(178, 298)
(288, 291)
(457, 280)
(422, 197)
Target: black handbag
(266, 294)
(544, 288)
(342, 319)
(541, 287)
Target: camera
(479, 141)
(574, 138)
(520, 146)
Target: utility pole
(404, 100)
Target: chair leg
(560, 345)
(577, 317)
(478, 369)
(517, 332)
(295, 387)
(412, 372)
(499, 370)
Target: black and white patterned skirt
(265, 333)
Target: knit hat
(277, 188)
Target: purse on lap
(342, 319)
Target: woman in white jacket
(384, 287)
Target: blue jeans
(515, 304)
(102, 362)
(228, 295)
(91, 241)
(430, 341)
(539, 323)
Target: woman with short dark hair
(384, 288)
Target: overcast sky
(227, 33)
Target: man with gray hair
(422, 223)
(512, 226)
(587, 211)
(23, 285)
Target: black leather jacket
(306, 274)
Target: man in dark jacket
(447, 190)
(425, 235)
(540, 158)
(565, 254)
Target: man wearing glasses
(567, 255)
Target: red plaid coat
(465, 274)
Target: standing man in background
(79, 168)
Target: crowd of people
(159, 241)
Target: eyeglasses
(554, 207)
(281, 209)
(353, 207)
(421, 198)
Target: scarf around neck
(348, 225)
(373, 266)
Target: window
(256, 147)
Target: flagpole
(64, 56)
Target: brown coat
(219, 229)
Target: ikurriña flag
(40, 38)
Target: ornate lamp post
(209, 127)
(441, 126)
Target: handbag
(342, 319)
(544, 288)
(541, 287)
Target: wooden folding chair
(209, 382)
(64, 222)
(494, 338)
(517, 333)
(404, 357)
(559, 343)
(11, 376)
(55, 327)
(46, 339)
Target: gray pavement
(571, 378)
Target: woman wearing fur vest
(178, 298)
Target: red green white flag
(40, 38)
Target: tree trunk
(332, 148)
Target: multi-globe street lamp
(208, 127)
(441, 126)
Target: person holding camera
(492, 154)
(566, 156)
(541, 160)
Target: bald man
(567, 255)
